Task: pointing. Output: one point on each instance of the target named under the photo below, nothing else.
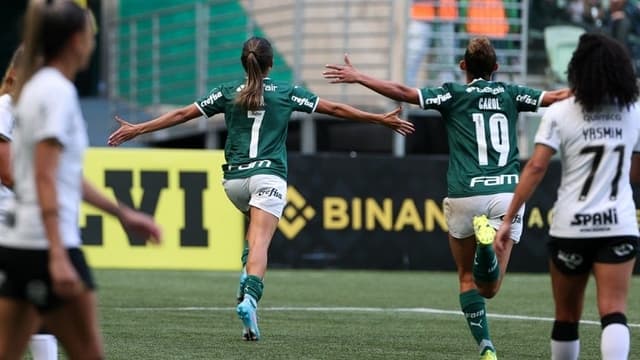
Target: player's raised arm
(390, 119)
(128, 131)
(347, 73)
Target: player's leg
(237, 191)
(262, 226)
(472, 302)
(268, 197)
(75, 324)
(489, 267)
(243, 275)
(612, 270)
(569, 267)
(486, 267)
(459, 213)
(18, 320)
(74, 321)
(43, 346)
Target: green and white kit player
(257, 111)
(480, 117)
(258, 137)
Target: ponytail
(251, 95)
(9, 79)
(257, 59)
(48, 27)
(32, 41)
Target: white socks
(614, 343)
(565, 350)
(43, 347)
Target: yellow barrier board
(182, 190)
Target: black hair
(601, 73)
(480, 58)
(49, 25)
(257, 58)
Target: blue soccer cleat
(247, 312)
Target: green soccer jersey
(481, 123)
(256, 140)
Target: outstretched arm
(347, 73)
(132, 220)
(556, 95)
(128, 131)
(390, 119)
(530, 178)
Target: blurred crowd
(617, 18)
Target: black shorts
(576, 256)
(24, 275)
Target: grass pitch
(328, 314)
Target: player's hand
(64, 277)
(402, 127)
(502, 237)
(341, 73)
(140, 224)
(125, 132)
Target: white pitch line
(356, 309)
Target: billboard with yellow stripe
(182, 190)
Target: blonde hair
(59, 20)
(10, 74)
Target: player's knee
(488, 292)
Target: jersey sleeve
(526, 99)
(303, 100)
(212, 104)
(6, 123)
(435, 98)
(56, 114)
(548, 132)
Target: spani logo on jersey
(494, 180)
(302, 101)
(607, 217)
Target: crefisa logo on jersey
(211, 99)
(526, 99)
(270, 192)
(302, 101)
(438, 99)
